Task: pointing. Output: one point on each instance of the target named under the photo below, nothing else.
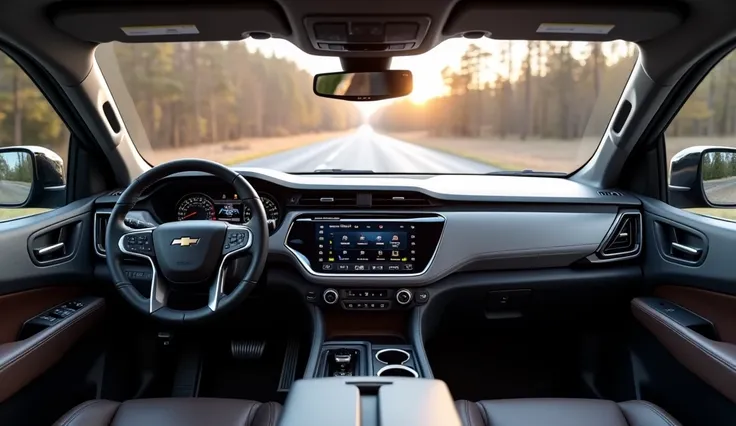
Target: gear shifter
(342, 362)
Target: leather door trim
(712, 361)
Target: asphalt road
(721, 191)
(12, 192)
(367, 150)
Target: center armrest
(370, 401)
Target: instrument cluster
(223, 206)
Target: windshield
(478, 106)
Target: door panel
(696, 275)
(23, 265)
(44, 309)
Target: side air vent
(609, 193)
(400, 199)
(624, 241)
(100, 230)
(328, 199)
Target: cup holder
(397, 371)
(392, 356)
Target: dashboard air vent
(100, 230)
(331, 199)
(400, 199)
(625, 240)
(609, 193)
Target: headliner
(671, 35)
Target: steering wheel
(187, 254)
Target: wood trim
(19, 307)
(718, 308)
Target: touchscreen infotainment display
(365, 246)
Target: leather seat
(173, 411)
(562, 412)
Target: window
(707, 118)
(26, 119)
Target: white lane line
(349, 141)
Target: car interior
(603, 296)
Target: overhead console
(366, 33)
(351, 244)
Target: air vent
(116, 193)
(100, 231)
(609, 193)
(625, 240)
(328, 199)
(400, 199)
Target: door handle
(686, 249)
(50, 249)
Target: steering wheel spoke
(238, 241)
(140, 244)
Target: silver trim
(408, 355)
(99, 250)
(304, 262)
(686, 249)
(50, 249)
(159, 292)
(403, 290)
(397, 367)
(216, 290)
(599, 257)
(330, 290)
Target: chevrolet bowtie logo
(185, 241)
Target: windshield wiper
(344, 171)
(526, 173)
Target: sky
(426, 68)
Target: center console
(361, 245)
(369, 401)
(363, 358)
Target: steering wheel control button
(403, 296)
(330, 296)
(139, 243)
(236, 240)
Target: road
(367, 150)
(13, 192)
(721, 191)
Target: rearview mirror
(364, 86)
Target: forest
(558, 90)
(200, 93)
(186, 94)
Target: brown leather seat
(562, 412)
(173, 411)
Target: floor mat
(499, 364)
(258, 379)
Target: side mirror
(31, 176)
(364, 86)
(703, 176)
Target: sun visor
(560, 22)
(160, 23)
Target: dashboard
(408, 231)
